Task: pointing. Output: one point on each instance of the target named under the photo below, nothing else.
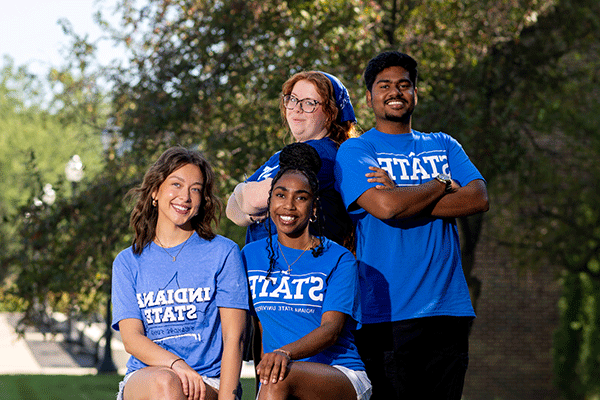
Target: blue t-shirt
(289, 306)
(335, 220)
(410, 268)
(178, 301)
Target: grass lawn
(69, 387)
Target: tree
(539, 96)
(28, 131)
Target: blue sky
(31, 35)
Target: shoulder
(224, 241)
(127, 254)
(438, 137)
(323, 144)
(326, 147)
(363, 141)
(217, 243)
(274, 159)
(270, 165)
(126, 260)
(334, 249)
(257, 245)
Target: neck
(171, 237)
(393, 127)
(318, 136)
(300, 242)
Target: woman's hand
(191, 382)
(272, 367)
(381, 176)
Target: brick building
(511, 341)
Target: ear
(416, 96)
(369, 103)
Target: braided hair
(303, 159)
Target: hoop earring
(313, 218)
(154, 203)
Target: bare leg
(310, 381)
(158, 383)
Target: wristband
(174, 361)
(284, 352)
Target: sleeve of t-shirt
(124, 300)
(267, 170)
(250, 253)
(351, 164)
(461, 168)
(232, 282)
(343, 291)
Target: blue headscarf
(342, 99)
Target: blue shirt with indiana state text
(178, 301)
(409, 268)
(290, 305)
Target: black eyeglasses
(306, 105)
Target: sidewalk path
(15, 355)
(37, 353)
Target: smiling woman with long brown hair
(179, 293)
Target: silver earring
(313, 219)
(154, 203)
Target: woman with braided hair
(307, 303)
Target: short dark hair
(390, 59)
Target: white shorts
(212, 382)
(360, 381)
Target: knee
(166, 385)
(279, 390)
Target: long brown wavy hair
(144, 216)
(338, 131)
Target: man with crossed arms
(415, 300)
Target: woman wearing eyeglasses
(318, 111)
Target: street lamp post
(74, 174)
(107, 365)
(74, 171)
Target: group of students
(351, 270)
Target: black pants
(424, 358)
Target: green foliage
(577, 341)
(27, 128)
(35, 145)
(546, 208)
(68, 247)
